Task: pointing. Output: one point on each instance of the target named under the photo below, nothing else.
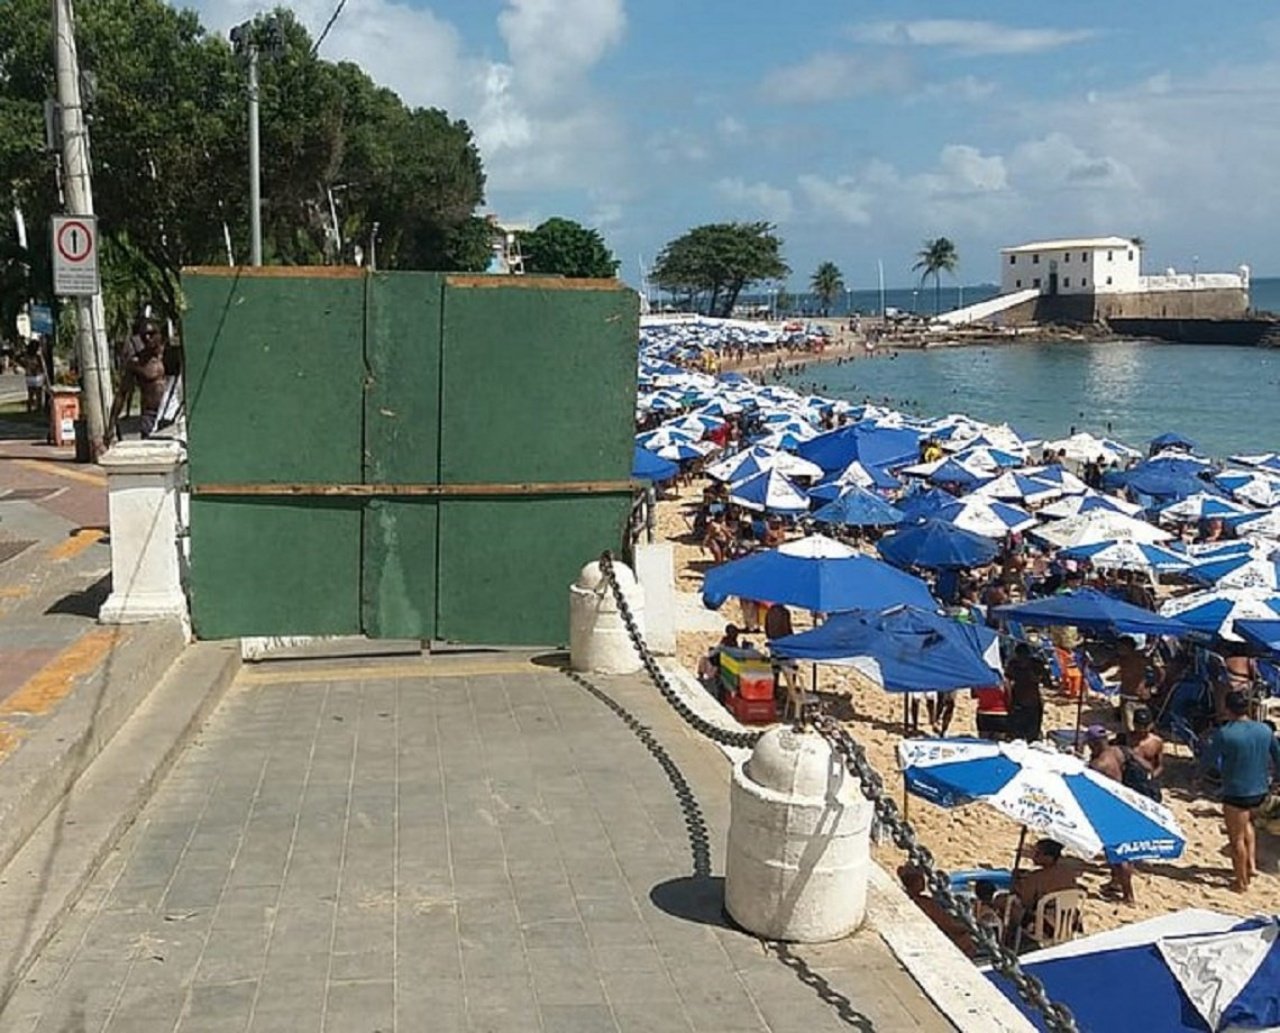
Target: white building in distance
(1083, 265)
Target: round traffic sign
(75, 241)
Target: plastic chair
(1057, 919)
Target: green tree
(827, 283)
(715, 262)
(564, 247)
(936, 257)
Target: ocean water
(1224, 398)
(1264, 296)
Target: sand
(970, 836)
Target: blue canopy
(1264, 634)
(1091, 609)
(924, 503)
(937, 545)
(857, 507)
(824, 585)
(646, 466)
(1172, 439)
(870, 444)
(952, 472)
(906, 649)
(1165, 478)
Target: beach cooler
(752, 711)
(746, 673)
(64, 410)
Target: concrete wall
(1202, 304)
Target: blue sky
(859, 128)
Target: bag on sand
(1136, 776)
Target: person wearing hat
(1248, 755)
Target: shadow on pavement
(85, 603)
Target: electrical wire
(328, 25)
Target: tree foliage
(827, 283)
(341, 155)
(567, 248)
(712, 264)
(936, 257)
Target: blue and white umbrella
(1258, 525)
(1129, 556)
(1263, 461)
(1202, 506)
(1020, 487)
(986, 517)
(1250, 486)
(1073, 505)
(769, 491)
(1215, 611)
(1054, 794)
(1055, 474)
(1243, 570)
(679, 451)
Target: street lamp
(249, 41)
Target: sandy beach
(974, 835)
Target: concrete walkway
(472, 843)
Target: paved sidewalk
(474, 843)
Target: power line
(328, 25)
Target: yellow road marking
(62, 470)
(384, 672)
(49, 686)
(79, 540)
(14, 591)
(9, 739)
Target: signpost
(75, 256)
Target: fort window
(1013, 259)
(1108, 256)
(1130, 256)
(1066, 281)
(1035, 259)
(1108, 279)
(1035, 282)
(1017, 283)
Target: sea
(1227, 399)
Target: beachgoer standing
(1249, 755)
(143, 367)
(1108, 759)
(1026, 673)
(993, 712)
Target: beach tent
(1263, 634)
(818, 574)
(1100, 525)
(1074, 505)
(1214, 612)
(1129, 556)
(1093, 610)
(937, 545)
(769, 492)
(1047, 792)
(1172, 440)
(987, 517)
(1201, 506)
(857, 507)
(1189, 972)
(902, 648)
(647, 466)
(1020, 487)
(872, 445)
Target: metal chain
(1057, 1016)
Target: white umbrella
(1265, 525)
(987, 517)
(816, 547)
(1081, 447)
(1073, 505)
(1100, 525)
(1216, 610)
(1202, 506)
(1024, 487)
(769, 491)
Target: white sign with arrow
(75, 256)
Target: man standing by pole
(91, 337)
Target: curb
(47, 876)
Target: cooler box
(64, 410)
(747, 673)
(752, 711)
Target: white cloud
(834, 76)
(552, 43)
(773, 203)
(967, 88)
(966, 36)
(730, 129)
(841, 198)
(676, 146)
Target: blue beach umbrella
(903, 648)
(954, 472)
(1074, 505)
(869, 444)
(1202, 506)
(1021, 487)
(1172, 439)
(854, 475)
(921, 504)
(857, 507)
(680, 451)
(1053, 794)
(1093, 610)
(1123, 555)
(1214, 612)
(647, 466)
(770, 492)
(985, 516)
(817, 574)
(1244, 570)
(937, 545)
(1261, 633)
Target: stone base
(121, 608)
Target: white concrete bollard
(598, 639)
(799, 841)
(142, 498)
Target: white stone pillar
(142, 495)
(655, 570)
(598, 638)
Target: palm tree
(827, 283)
(935, 258)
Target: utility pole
(91, 332)
(245, 40)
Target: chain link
(1057, 1016)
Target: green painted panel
(275, 566)
(402, 446)
(506, 565)
(539, 381)
(274, 377)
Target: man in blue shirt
(1249, 755)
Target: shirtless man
(1132, 667)
(1145, 744)
(1108, 759)
(144, 367)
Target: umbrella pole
(1017, 857)
(1084, 687)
